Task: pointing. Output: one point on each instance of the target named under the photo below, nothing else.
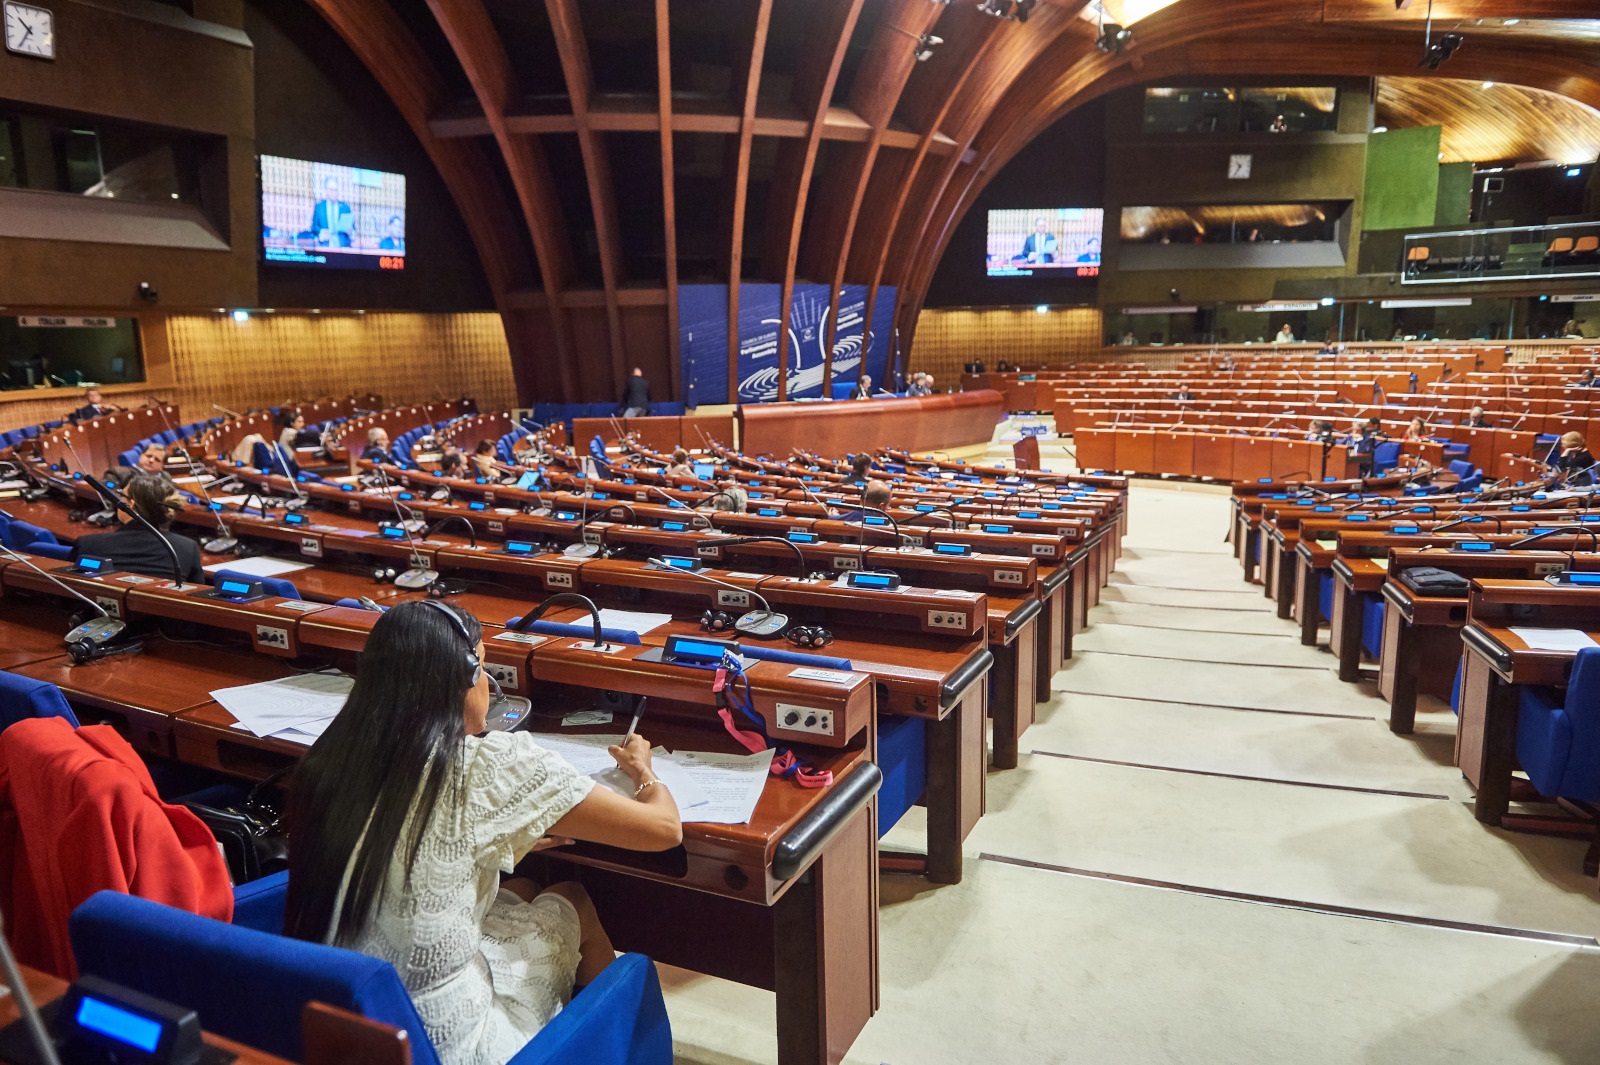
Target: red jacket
(79, 814)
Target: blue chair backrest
(23, 697)
(246, 985)
(1385, 455)
(842, 389)
(25, 534)
(1583, 701)
(273, 585)
(1461, 468)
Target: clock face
(1238, 167)
(30, 30)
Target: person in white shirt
(406, 814)
(1285, 335)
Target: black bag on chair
(1430, 580)
(253, 843)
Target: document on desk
(732, 783)
(1553, 639)
(258, 566)
(639, 621)
(686, 792)
(587, 754)
(301, 702)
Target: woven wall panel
(947, 338)
(405, 358)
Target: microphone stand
(524, 623)
(701, 521)
(105, 492)
(300, 499)
(43, 1045)
(763, 624)
(219, 545)
(419, 576)
(96, 633)
(736, 541)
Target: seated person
(1570, 457)
(1375, 427)
(1586, 379)
(152, 462)
(863, 389)
(680, 465)
(290, 423)
(452, 463)
(859, 467)
(483, 461)
(377, 449)
(1183, 395)
(406, 813)
(1476, 420)
(919, 385)
(1321, 431)
(1362, 440)
(94, 406)
(133, 547)
(876, 495)
(730, 498)
(1417, 432)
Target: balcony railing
(1515, 253)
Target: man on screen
(1091, 251)
(395, 237)
(1040, 247)
(332, 220)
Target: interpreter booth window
(65, 351)
(98, 157)
(1246, 109)
(1263, 223)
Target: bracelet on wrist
(641, 788)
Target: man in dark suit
(635, 396)
(395, 238)
(377, 449)
(1040, 247)
(134, 547)
(332, 220)
(863, 389)
(93, 406)
(1476, 420)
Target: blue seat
(902, 756)
(842, 389)
(1325, 596)
(272, 585)
(251, 986)
(25, 536)
(23, 697)
(1384, 456)
(130, 458)
(1471, 476)
(1558, 734)
(1372, 617)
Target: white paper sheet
(259, 566)
(639, 621)
(303, 701)
(732, 783)
(685, 791)
(1553, 639)
(587, 754)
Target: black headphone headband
(460, 626)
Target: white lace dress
(485, 969)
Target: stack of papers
(259, 566)
(1553, 639)
(297, 709)
(709, 788)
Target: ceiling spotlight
(1446, 46)
(997, 8)
(1511, 22)
(1113, 38)
(925, 46)
(1488, 85)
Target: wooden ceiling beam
(669, 191)
(788, 203)
(567, 26)
(740, 174)
(472, 37)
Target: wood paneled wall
(196, 360)
(948, 337)
(405, 358)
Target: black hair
(391, 752)
(287, 415)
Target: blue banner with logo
(703, 343)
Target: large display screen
(323, 214)
(1050, 242)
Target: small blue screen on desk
(117, 1023)
(684, 647)
(1027, 514)
(1001, 529)
(802, 538)
(925, 508)
(1359, 517)
(1522, 506)
(769, 512)
(518, 547)
(347, 488)
(677, 562)
(873, 519)
(870, 580)
(477, 506)
(235, 588)
(1475, 545)
(214, 505)
(565, 515)
(92, 565)
(295, 519)
(1323, 510)
(1583, 578)
(407, 495)
(1407, 529)
(674, 526)
(393, 532)
(953, 549)
(1052, 506)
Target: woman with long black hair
(403, 819)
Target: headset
(461, 627)
(809, 636)
(716, 621)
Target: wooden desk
(1496, 664)
(44, 989)
(941, 421)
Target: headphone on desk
(809, 636)
(716, 621)
(461, 627)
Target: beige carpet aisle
(1214, 851)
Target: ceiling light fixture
(1113, 38)
(925, 46)
(1436, 52)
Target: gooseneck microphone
(761, 624)
(217, 545)
(418, 577)
(94, 635)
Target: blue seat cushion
(902, 756)
(1372, 614)
(1325, 596)
(23, 697)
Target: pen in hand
(638, 712)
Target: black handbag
(253, 841)
(1430, 580)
